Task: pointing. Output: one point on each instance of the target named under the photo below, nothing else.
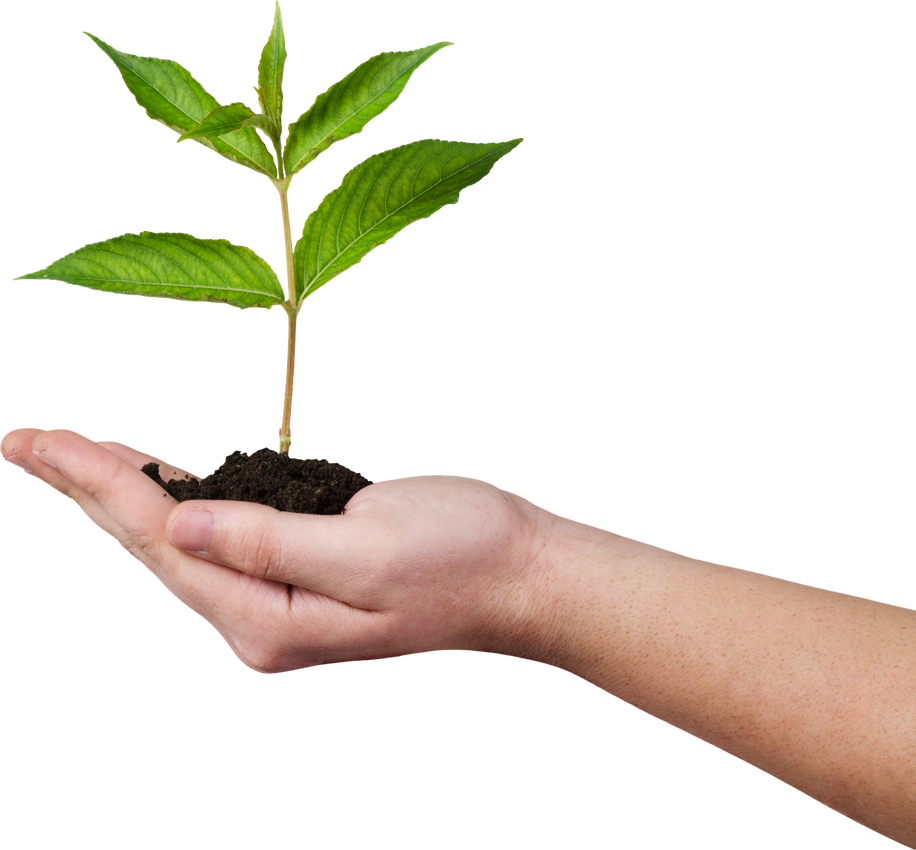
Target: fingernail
(193, 531)
(20, 463)
(44, 459)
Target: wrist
(566, 569)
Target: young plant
(376, 200)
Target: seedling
(376, 200)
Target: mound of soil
(269, 478)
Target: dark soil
(269, 478)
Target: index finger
(111, 492)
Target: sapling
(376, 200)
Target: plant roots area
(269, 478)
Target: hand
(412, 565)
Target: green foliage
(376, 200)
(173, 265)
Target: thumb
(247, 537)
(191, 529)
(305, 550)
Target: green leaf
(171, 95)
(228, 119)
(380, 197)
(220, 121)
(270, 72)
(262, 122)
(170, 265)
(346, 107)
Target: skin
(817, 688)
(416, 565)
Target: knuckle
(260, 553)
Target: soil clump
(269, 478)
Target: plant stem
(292, 312)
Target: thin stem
(285, 430)
(292, 310)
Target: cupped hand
(412, 565)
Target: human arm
(814, 687)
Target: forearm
(814, 687)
